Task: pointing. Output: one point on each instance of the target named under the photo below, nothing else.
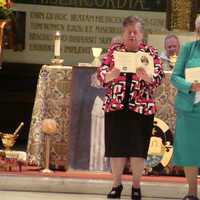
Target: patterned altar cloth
(165, 95)
(52, 100)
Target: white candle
(57, 45)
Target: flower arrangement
(5, 9)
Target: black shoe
(136, 194)
(115, 193)
(190, 197)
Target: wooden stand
(47, 154)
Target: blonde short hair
(197, 25)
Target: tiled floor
(9, 195)
(81, 174)
(31, 183)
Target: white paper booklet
(192, 74)
(129, 61)
(197, 97)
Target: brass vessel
(9, 139)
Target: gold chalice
(173, 59)
(9, 139)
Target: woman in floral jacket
(129, 107)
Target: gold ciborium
(8, 139)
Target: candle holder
(57, 61)
(49, 127)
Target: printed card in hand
(145, 61)
(125, 61)
(129, 62)
(192, 75)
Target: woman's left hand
(143, 75)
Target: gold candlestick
(47, 154)
(49, 127)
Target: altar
(72, 96)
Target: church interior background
(33, 87)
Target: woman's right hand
(195, 87)
(112, 74)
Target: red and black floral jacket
(140, 98)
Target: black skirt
(127, 134)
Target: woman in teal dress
(187, 105)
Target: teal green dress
(187, 131)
